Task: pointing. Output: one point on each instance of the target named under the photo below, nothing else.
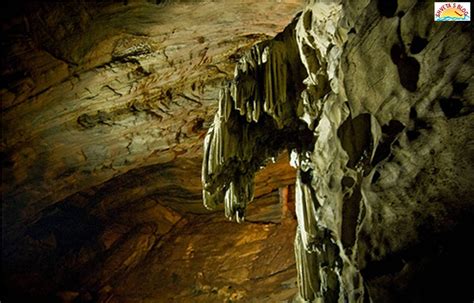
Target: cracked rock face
(384, 180)
(104, 110)
(92, 93)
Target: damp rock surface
(104, 108)
(384, 178)
(90, 93)
(217, 261)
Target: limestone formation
(105, 108)
(252, 109)
(374, 101)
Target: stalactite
(254, 103)
(276, 101)
(255, 120)
(307, 267)
(306, 206)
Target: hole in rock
(308, 19)
(417, 44)
(408, 68)
(347, 182)
(413, 134)
(356, 138)
(387, 8)
(389, 134)
(375, 177)
(451, 107)
(458, 88)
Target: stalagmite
(306, 263)
(306, 206)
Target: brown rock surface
(103, 111)
(105, 107)
(216, 261)
(113, 88)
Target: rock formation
(104, 110)
(106, 161)
(374, 101)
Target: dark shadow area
(428, 271)
(408, 68)
(387, 8)
(390, 132)
(418, 44)
(356, 138)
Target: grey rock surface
(384, 188)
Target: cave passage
(235, 151)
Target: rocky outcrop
(123, 247)
(384, 183)
(217, 261)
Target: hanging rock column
(374, 101)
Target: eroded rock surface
(137, 87)
(104, 110)
(217, 261)
(384, 185)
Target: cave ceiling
(112, 101)
(122, 122)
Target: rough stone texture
(384, 191)
(198, 258)
(87, 244)
(93, 92)
(216, 261)
(104, 108)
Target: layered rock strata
(104, 107)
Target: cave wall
(215, 260)
(384, 189)
(104, 107)
(153, 243)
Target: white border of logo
(465, 7)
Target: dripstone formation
(374, 101)
(105, 108)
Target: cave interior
(236, 151)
